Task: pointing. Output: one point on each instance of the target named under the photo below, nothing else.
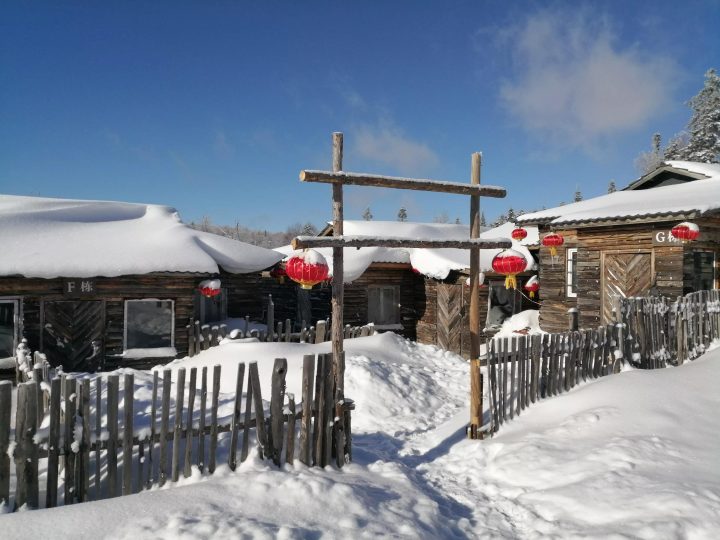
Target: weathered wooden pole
(337, 280)
(475, 375)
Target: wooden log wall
(135, 458)
(667, 266)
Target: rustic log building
(618, 245)
(419, 293)
(98, 285)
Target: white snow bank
(526, 322)
(49, 238)
(697, 196)
(434, 263)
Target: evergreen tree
(483, 223)
(704, 125)
(649, 161)
(578, 195)
(367, 214)
(611, 187)
(701, 140)
(402, 214)
(457, 221)
(309, 229)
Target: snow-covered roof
(47, 238)
(435, 263)
(686, 199)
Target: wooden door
(624, 275)
(73, 334)
(450, 317)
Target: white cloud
(572, 83)
(386, 144)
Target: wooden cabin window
(383, 304)
(571, 272)
(699, 271)
(149, 324)
(8, 328)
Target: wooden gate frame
(337, 177)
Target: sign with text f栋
(79, 287)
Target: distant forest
(256, 237)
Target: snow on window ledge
(155, 352)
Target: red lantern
(210, 288)
(553, 240)
(509, 263)
(518, 234)
(532, 286)
(685, 232)
(308, 268)
(278, 273)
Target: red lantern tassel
(510, 282)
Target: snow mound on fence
(50, 238)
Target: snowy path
(628, 456)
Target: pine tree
(701, 140)
(578, 196)
(483, 223)
(367, 214)
(704, 126)
(309, 229)
(611, 187)
(457, 221)
(402, 214)
(649, 161)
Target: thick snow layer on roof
(708, 169)
(699, 196)
(434, 263)
(49, 238)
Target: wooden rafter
(303, 242)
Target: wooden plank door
(624, 275)
(450, 317)
(73, 334)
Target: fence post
(573, 319)
(26, 451)
(5, 412)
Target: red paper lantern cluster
(509, 263)
(308, 269)
(553, 240)
(210, 288)
(519, 234)
(532, 286)
(685, 231)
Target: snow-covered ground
(633, 455)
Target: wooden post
(277, 417)
(476, 381)
(307, 405)
(573, 319)
(26, 451)
(187, 467)
(5, 414)
(338, 270)
(127, 450)
(113, 390)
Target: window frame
(396, 298)
(17, 319)
(570, 270)
(714, 266)
(125, 321)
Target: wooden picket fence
(660, 331)
(102, 455)
(204, 336)
(650, 333)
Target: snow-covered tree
(402, 214)
(441, 218)
(309, 229)
(483, 222)
(704, 125)
(649, 161)
(611, 187)
(367, 214)
(457, 221)
(578, 196)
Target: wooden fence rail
(85, 447)
(203, 336)
(650, 333)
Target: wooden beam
(338, 291)
(336, 242)
(373, 180)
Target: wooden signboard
(79, 287)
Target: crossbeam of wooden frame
(304, 242)
(374, 180)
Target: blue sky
(215, 107)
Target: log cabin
(619, 244)
(419, 293)
(98, 284)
